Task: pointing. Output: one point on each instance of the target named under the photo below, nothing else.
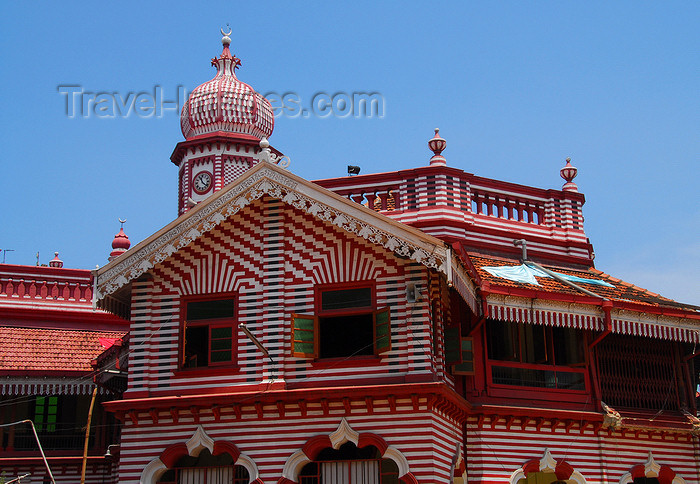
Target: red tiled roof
(623, 291)
(32, 349)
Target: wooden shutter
(453, 351)
(304, 336)
(382, 331)
(466, 367)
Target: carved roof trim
(269, 179)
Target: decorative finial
(56, 262)
(437, 145)
(568, 173)
(121, 242)
(226, 40)
(266, 154)
(226, 64)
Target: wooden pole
(87, 436)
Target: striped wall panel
(495, 452)
(426, 438)
(272, 255)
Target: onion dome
(568, 173)
(120, 244)
(226, 104)
(437, 145)
(55, 262)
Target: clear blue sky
(515, 87)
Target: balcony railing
(24, 440)
(474, 196)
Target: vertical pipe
(87, 435)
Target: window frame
(312, 322)
(210, 323)
(549, 364)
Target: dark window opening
(214, 309)
(347, 325)
(646, 480)
(343, 336)
(536, 356)
(209, 333)
(334, 300)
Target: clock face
(202, 182)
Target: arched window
(205, 468)
(651, 472)
(544, 477)
(350, 465)
(645, 480)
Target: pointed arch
(651, 468)
(344, 433)
(193, 447)
(547, 463)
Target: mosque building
(425, 325)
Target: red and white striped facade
(271, 255)
(497, 451)
(270, 239)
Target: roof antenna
(4, 253)
(523, 243)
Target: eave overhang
(269, 179)
(438, 394)
(585, 312)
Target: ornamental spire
(56, 262)
(120, 244)
(568, 173)
(226, 64)
(437, 145)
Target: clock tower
(223, 122)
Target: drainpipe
(607, 306)
(484, 311)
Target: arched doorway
(201, 460)
(350, 464)
(651, 472)
(205, 468)
(347, 457)
(546, 470)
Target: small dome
(226, 104)
(56, 262)
(120, 244)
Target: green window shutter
(453, 354)
(466, 367)
(382, 331)
(304, 336)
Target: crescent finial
(122, 222)
(226, 34)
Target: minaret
(222, 121)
